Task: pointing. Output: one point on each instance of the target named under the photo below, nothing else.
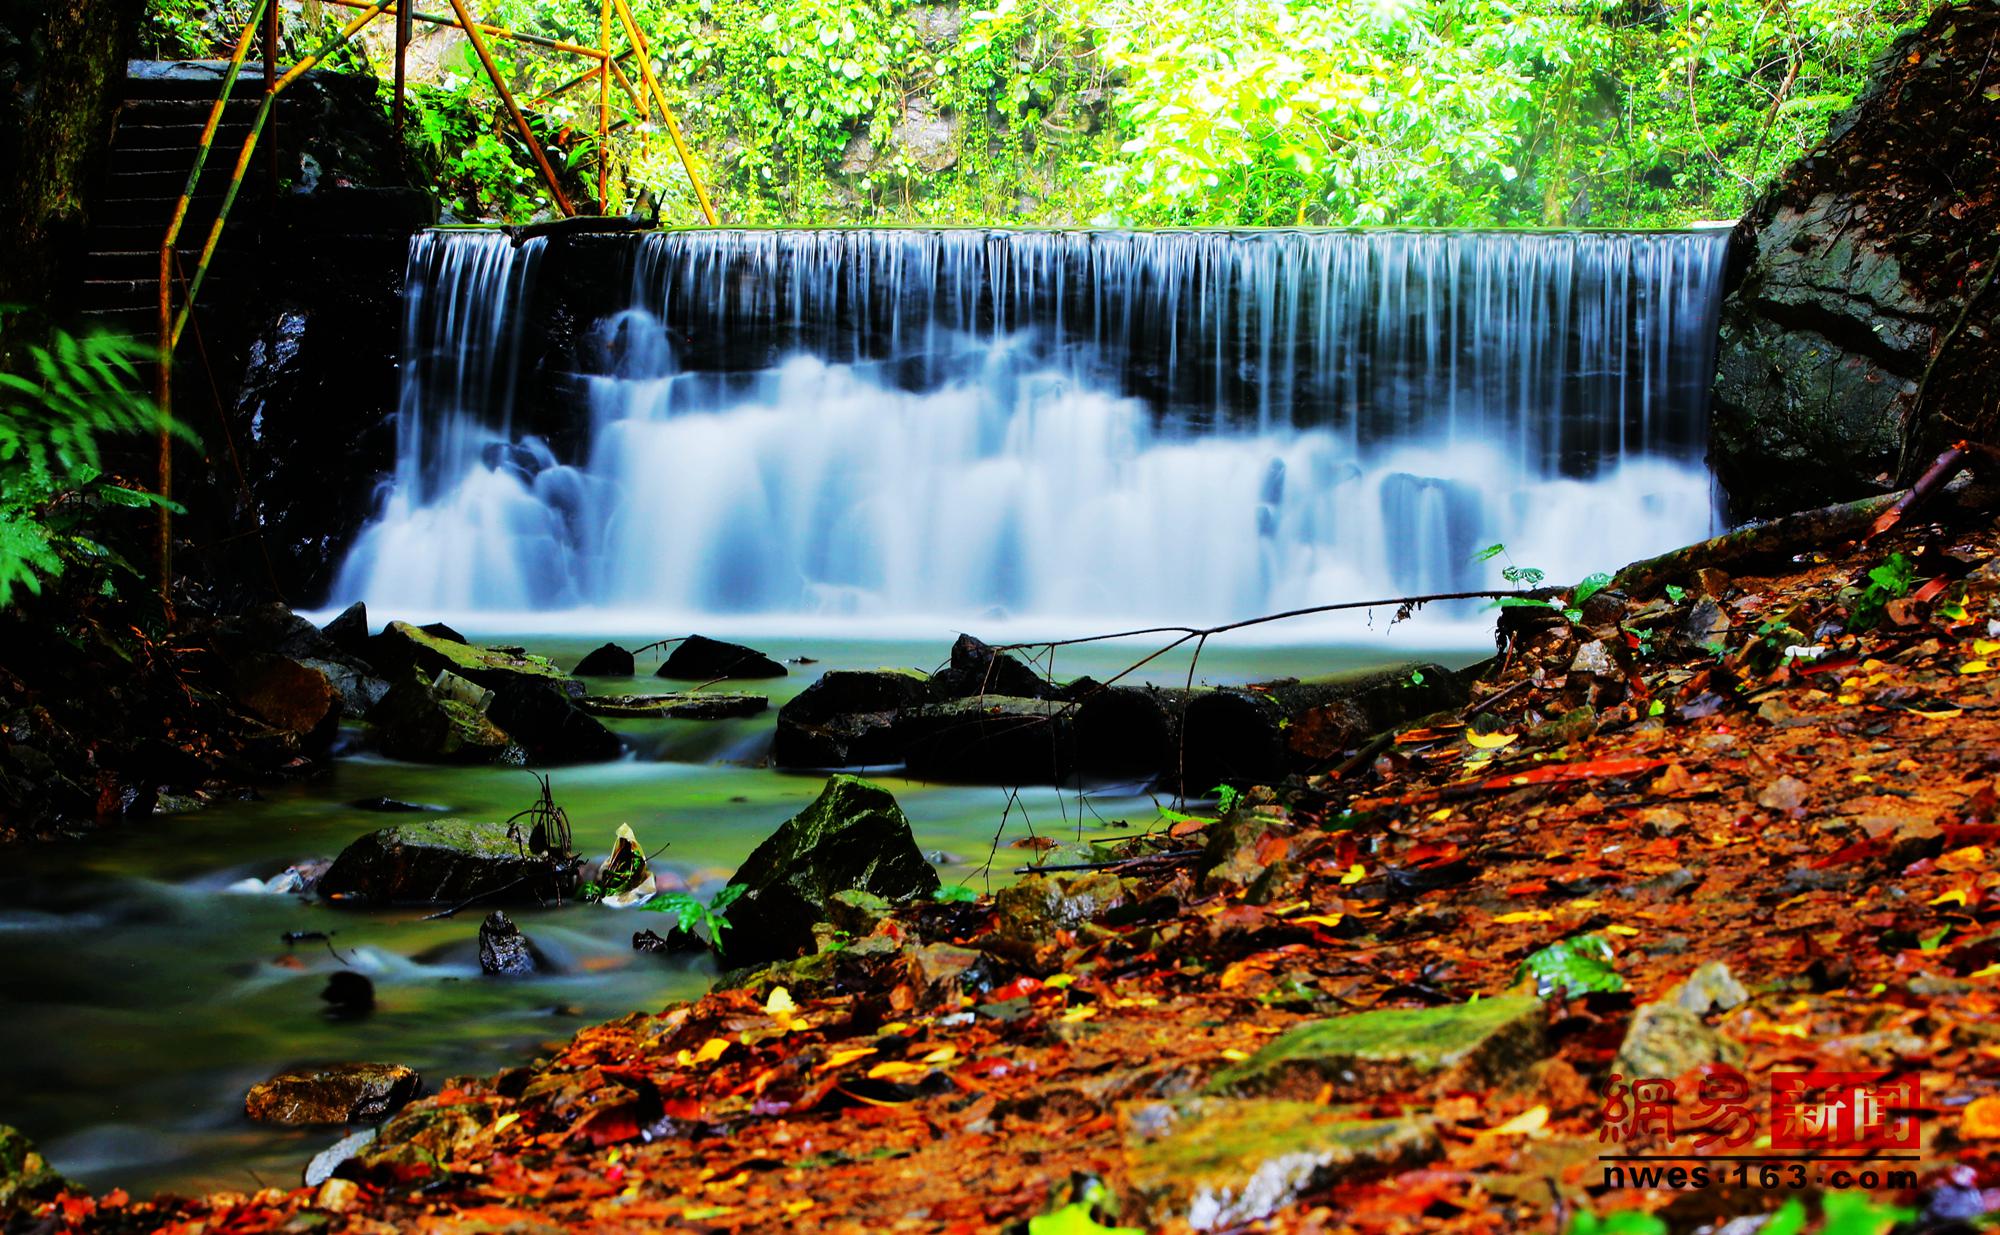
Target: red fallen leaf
(609, 1124)
(1532, 887)
(1015, 989)
(1271, 848)
(1040, 844)
(1431, 852)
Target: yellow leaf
(1235, 1056)
(1981, 1120)
(901, 1026)
(1059, 981)
(1975, 666)
(1985, 647)
(1525, 915)
(1321, 919)
(943, 1054)
(1355, 874)
(1079, 1014)
(799, 1206)
(505, 1121)
(1491, 741)
(1627, 931)
(847, 1056)
(780, 1001)
(894, 1068)
(1861, 778)
(1943, 713)
(1441, 814)
(1962, 859)
(1990, 971)
(1954, 897)
(1534, 1119)
(711, 1050)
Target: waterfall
(1077, 427)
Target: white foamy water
(887, 431)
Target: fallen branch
(1754, 542)
(1172, 858)
(1942, 469)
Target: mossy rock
(1486, 1044)
(336, 1094)
(1031, 912)
(418, 722)
(444, 861)
(852, 837)
(1220, 1163)
(26, 1178)
(401, 647)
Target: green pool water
(140, 997)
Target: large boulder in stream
(989, 738)
(608, 661)
(1855, 341)
(848, 719)
(434, 649)
(341, 1093)
(423, 723)
(550, 726)
(852, 838)
(699, 658)
(290, 696)
(445, 861)
(977, 668)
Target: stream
(140, 996)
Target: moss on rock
(1486, 1044)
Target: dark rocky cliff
(1848, 355)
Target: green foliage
(1623, 1222)
(1578, 964)
(68, 394)
(1892, 580)
(1212, 112)
(955, 894)
(690, 911)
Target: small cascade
(1072, 427)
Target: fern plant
(60, 401)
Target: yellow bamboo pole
(163, 382)
(638, 38)
(498, 32)
(604, 108)
(471, 28)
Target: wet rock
(1594, 659)
(1666, 1040)
(358, 689)
(609, 661)
(1486, 1044)
(438, 630)
(977, 669)
(989, 738)
(1218, 1163)
(1327, 716)
(428, 1136)
(847, 719)
(348, 631)
(550, 727)
(1711, 988)
(415, 721)
(1704, 624)
(444, 861)
(393, 806)
(853, 836)
(503, 949)
(1229, 854)
(856, 911)
(1029, 914)
(928, 136)
(1786, 794)
(328, 1160)
(698, 658)
(402, 647)
(26, 1179)
(336, 1094)
(348, 995)
(1573, 726)
(288, 696)
(1126, 729)
(688, 705)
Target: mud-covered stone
(444, 861)
(1218, 1163)
(340, 1093)
(852, 837)
(1482, 1045)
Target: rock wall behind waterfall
(1850, 275)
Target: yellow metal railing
(172, 324)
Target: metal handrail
(171, 325)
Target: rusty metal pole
(604, 108)
(471, 29)
(645, 57)
(405, 22)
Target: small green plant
(690, 911)
(1226, 798)
(1892, 580)
(955, 894)
(1578, 964)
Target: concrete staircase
(153, 148)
